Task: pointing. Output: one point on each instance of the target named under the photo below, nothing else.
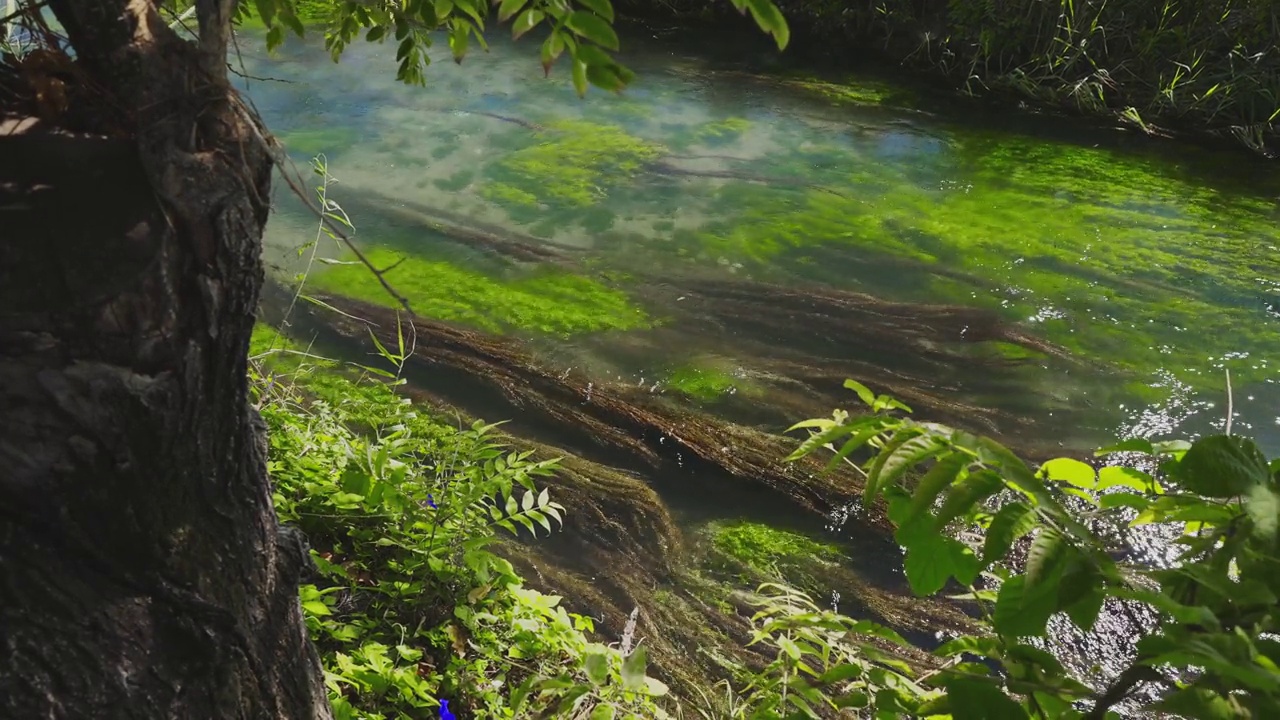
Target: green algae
(574, 164)
(852, 92)
(510, 195)
(552, 302)
(458, 181)
(314, 141)
(768, 549)
(721, 132)
(708, 383)
(1105, 254)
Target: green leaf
(1084, 611)
(770, 20)
(972, 699)
(1141, 445)
(934, 560)
(843, 672)
(1021, 612)
(899, 460)
(966, 494)
(527, 21)
(606, 77)
(509, 8)
(1070, 471)
(633, 669)
(603, 8)
(941, 475)
(1114, 500)
(1010, 523)
(552, 47)
(1120, 476)
(1223, 466)
(458, 40)
(1185, 508)
(580, 77)
(1262, 503)
(1047, 552)
(1198, 703)
(593, 28)
(317, 608)
(603, 712)
(596, 666)
(864, 392)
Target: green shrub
(411, 606)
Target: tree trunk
(142, 570)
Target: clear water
(1152, 265)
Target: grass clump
(553, 302)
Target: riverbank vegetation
(1194, 67)
(415, 610)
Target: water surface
(1152, 265)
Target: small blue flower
(445, 713)
(432, 502)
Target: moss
(575, 164)
(311, 142)
(548, 301)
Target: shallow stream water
(1149, 268)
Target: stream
(734, 236)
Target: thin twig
(273, 147)
(1231, 404)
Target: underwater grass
(708, 383)
(574, 164)
(547, 301)
(1103, 253)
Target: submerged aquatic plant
(546, 301)
(707, 382)
(573, 164)
(1104, 253)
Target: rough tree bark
(142, 570)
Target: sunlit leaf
(1070, 471)
(864, 392)
(770, 19)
